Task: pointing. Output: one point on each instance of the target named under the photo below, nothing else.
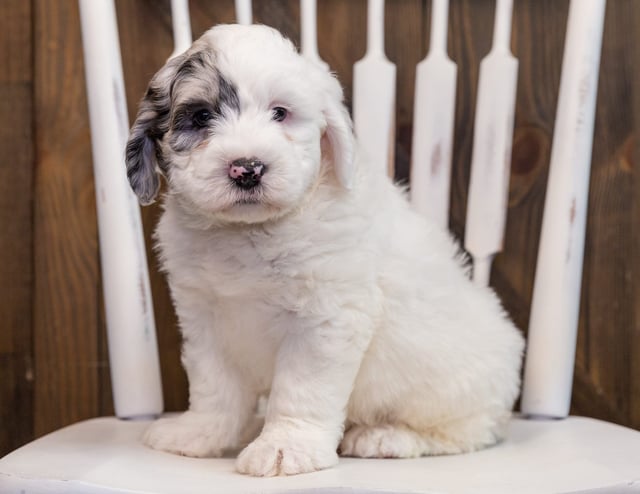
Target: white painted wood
(181, 26)
(308, 35)
(133, 353)
(374, 91)
(106, 456)
(244, 14)
(491, 157)
(433, 123)
(556, 295)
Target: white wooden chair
(545, 451)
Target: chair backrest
(554, 315)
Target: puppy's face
(241, 126)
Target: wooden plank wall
(53, 361)
(16, 225)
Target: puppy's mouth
(247, 202)
(253, 206)
(249, 197)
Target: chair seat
(105, 455)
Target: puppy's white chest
(256, 265)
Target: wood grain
(53, 359)
(631, 161)
(470, 28)
(16, 226)
(405, 30)
(66, 324)
(607, 311)
(346, 23)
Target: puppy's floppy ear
(143, 156)
(339, 133)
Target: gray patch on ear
(191, 75)
(150, 126)
(191, 64)
(141, 168)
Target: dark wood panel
(344, 41)
(632, 161)
(405, 36)
(66, 324)
(469, 41)
(607, 312)
(206, 14)
(283, 15)
(16, 237)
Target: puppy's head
(241, 126)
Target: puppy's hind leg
(400, 441)
(465, 434)
(382, 441)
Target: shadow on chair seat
(104, 455)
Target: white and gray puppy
(298, 271)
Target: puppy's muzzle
(247, 173)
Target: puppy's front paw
(286, 452)
(192, 434)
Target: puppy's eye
(201, 117)
(279, 114)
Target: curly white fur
(320, 287)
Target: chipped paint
(120, 106)
(572, 212)
(143, 293)
(436, 159)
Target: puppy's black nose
(246, 173)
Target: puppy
(298, 271)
